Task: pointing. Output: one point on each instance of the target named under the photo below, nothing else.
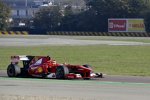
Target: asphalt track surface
(107, 78)
(62, 40)
(107, 88)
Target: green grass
(116, 60)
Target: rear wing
(16, 59)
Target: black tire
(87, 66)
(61, 71)
(12, 70)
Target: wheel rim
(10, 71)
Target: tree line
(93, 18)
(4, 16)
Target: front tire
(87, 66)
(13, 70)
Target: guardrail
(14, 33)
(133, 34)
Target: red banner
(115, 25)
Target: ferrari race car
(45, 67)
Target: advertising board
(136, 25)
(117, 25)
(126, 25)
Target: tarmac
(63, 40)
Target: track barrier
(125, 34)
(14, 33)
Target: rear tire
(61, 71)
(13, 70)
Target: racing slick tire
(87, 66)
(13, 70)
(61, 71)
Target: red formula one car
(44, 66)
